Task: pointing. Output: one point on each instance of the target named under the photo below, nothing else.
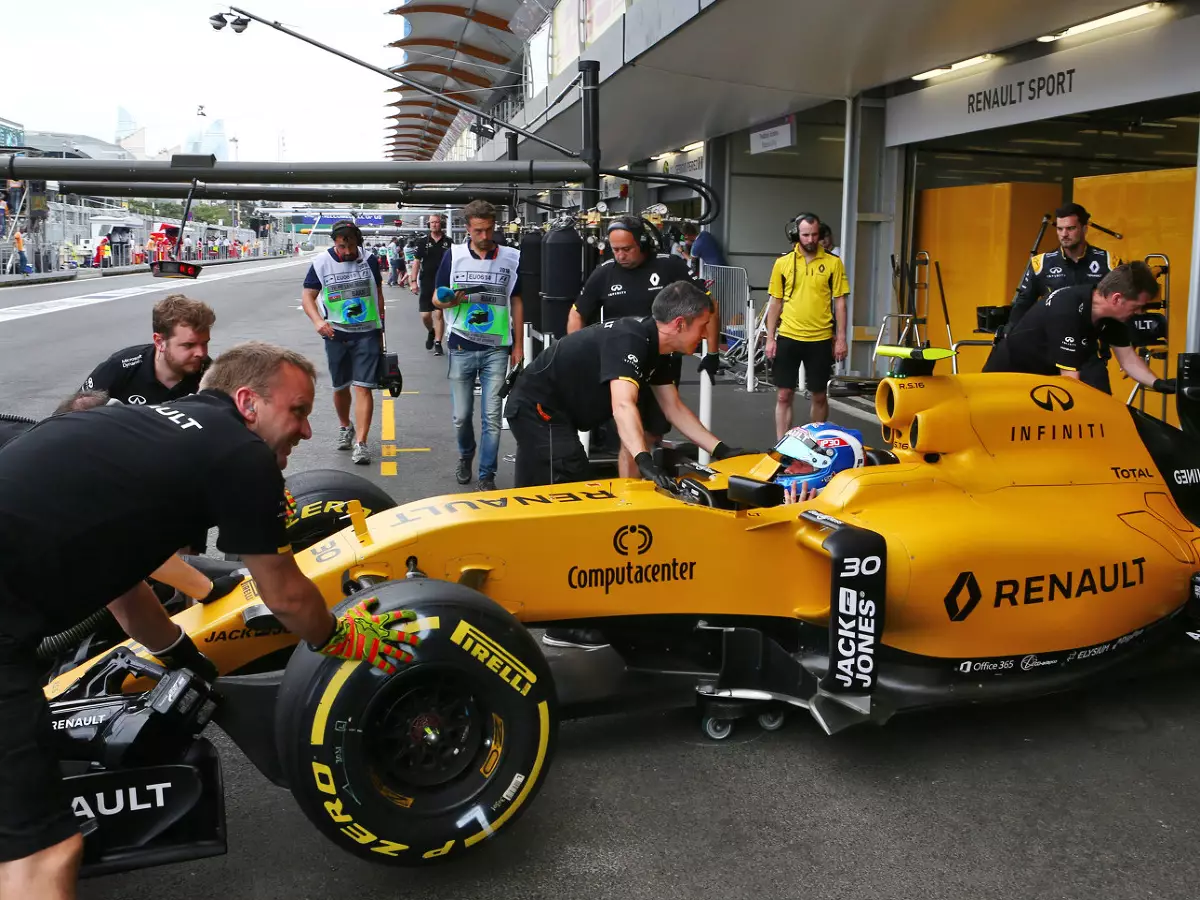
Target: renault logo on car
(1051, 396)
(964, 584)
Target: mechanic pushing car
(169, 367)
(1075, 262)
(626, 285)
(1061, 335)
(100, 499)
(596, 374)
(175, 571)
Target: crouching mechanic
(1063, 334)
(166, 369)
(101, 498)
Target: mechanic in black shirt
(166, 369)
(429, 250)
(96, 500)
(598, 373)
(1061, 334)
(626, 285)
(1074, 262)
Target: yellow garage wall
(1154, 211)
(981, 235)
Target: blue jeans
(492, 368)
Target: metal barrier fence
(743, 330)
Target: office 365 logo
(963, 597)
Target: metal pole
(416, 85)
(850, 216)
(706, 390)
(183, 223)
(186, 169)
(1192, 343)
(511, 137)
(751, 336)
(589, 72)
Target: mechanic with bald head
(100, 499)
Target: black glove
(651, 472)
(223, 585)
(183, 654)
(1163, 385)
(710, 364)
(724, 451)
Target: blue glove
(445, 294)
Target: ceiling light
(945, 70)
(1123, 16)
(833, 139)
(1048, 142)
(696, 145)
(1183, 154)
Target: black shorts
(425, 293)
(815, 356)
(35, 811)
(654, 420)
(548, 452)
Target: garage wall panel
(981, 235)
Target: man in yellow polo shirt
(808, 292)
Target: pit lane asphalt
(1076, 797)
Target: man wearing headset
(808, 291)
(349, 287)
(626, 285)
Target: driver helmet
(812, 454)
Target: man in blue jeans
(484, 324)
(343, 298)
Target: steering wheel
(692, 491)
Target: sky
(80, 59)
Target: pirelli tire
(425, 765)
(321, 496)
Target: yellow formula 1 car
(1022, 535)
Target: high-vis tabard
(484, 317)
(349, 296)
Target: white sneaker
(345, 437)
(361, 455)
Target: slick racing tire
(424, 765)
(321, 496)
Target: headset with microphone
(792, 228)
(639, 228)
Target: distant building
(78, 146)
(11, 134)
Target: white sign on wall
(1149, 64)
(774, 137)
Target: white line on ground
(856, 411)
(11, 313)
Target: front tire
(424, 765)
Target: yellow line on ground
(412, 449)
(410, 392)
(388, 449)
(387, 468)
(388, 428)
